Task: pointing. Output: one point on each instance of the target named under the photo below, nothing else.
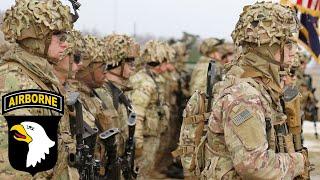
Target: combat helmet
(210, 45)
(118, 48)
(181, 51)
(157, 52)
(92, 56)
(265, 23)
(75, 42)
(92, 51)
(261, 31)
(31, 23)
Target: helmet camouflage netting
(157, 51)
(210, 45)
(75, 43)
(265, 23)
(35, 19)
(119, 47)
(92, 51)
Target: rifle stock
(86, 136)
(127, 164)
(211, 80)
(113, 166)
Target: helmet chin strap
(92, 73)
(282, 56)
(70, 69)
(121, 72)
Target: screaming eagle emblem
(37, 139)
(32, 140)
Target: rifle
(86, 136)
(127, 161)
(291, 105)
(211, 80)
(113, 166)
(75, 5)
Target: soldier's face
(99, 74)
(129, 68)
(215, 55)
(290, 49)
(57, 46)
(227, 59)
(65, 63)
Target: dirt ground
(313, 146)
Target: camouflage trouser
(61, 170)
(147, 161)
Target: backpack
(192, 130)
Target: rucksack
(192, 130)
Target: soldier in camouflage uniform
(27, 65)
(209, 49)
(240, 142)
(65, 70)
(168, 141)
(91, 76)
(121, 52)
(148, 101)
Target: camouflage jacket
(237, 146)
(117, 112)
(148, 101)
(93, 112)
(199, 74)
(20, 70)
(171, 86)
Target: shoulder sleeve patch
(241, 117)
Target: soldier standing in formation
(28, 65)
(121, 52)
(241, 141)
(148, 101)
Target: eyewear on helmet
(104, 67)
(130, 61)
(153, 64)
(62, 36)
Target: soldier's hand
(307, 166)
(138, 152)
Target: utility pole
(115, 16)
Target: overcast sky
(207, 18)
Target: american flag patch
(242, 117)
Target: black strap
(119, 97)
